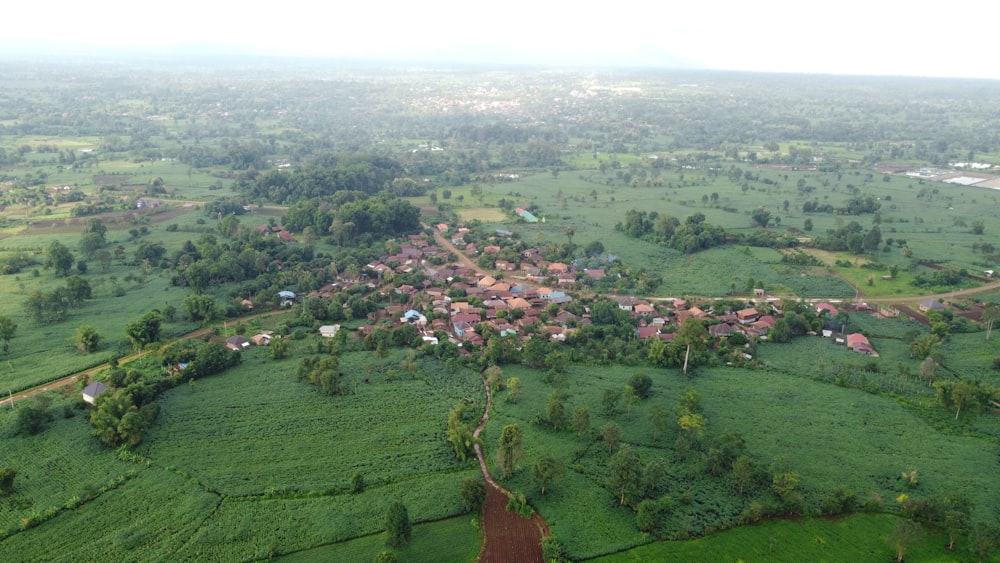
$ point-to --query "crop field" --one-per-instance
(147, 518)
(62, 462)
(263, 418)
(860, 537)
(834, 436)
(452, 540)
(247, 451)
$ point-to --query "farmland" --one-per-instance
(143, 207)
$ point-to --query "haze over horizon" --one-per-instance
(852, 38)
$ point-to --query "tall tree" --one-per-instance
(659, 418)
(555, 409)
(611, 433)
(87, 339)
(904, 535)
(473, 493)
(397, 525)
(625, 474)
(546, 470)
(7, 330)
(581, 421)
(510, 450)
(692, 334)
(60, 258)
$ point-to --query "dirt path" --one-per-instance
(70, 379)
(510, 538)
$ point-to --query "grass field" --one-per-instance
(834, 436)
(855, 538)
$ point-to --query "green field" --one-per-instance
(853, 538)
(833, 436)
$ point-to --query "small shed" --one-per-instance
(329, 331)
(237, 343)
(91, 392)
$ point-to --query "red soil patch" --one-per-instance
(510, 538)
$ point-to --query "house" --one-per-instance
(859, 343)
(328, 331)
(237, 343)
(262, 339)
(931, 305)
(91, 392)
(747, 316)
(826, 308)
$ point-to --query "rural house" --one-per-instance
(91, 392)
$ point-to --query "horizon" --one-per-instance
(855, 39)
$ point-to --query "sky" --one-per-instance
(869, 37)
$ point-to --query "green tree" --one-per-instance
(581, 421)
(87, 339)
(659, 419)
(955, 517)
(279, 348)
(625, 475)
(985, 539)
(144, 330)
(545, 471)
(32, 418)
(7, 475)
(904, 535)
(460, 433)
(514, 389)
(555, 409)
(611, 433)
(745, 472)
(692, 334)
(510, 450)
(642, 384)
(200, 307)
(631, 400)
(385, 557)
(473, 493)
(397, 525)
(60, 258)
(609, 401)
(8, 328)
(357, 483)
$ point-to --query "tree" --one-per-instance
(357, 483)
(625, 477)
(990, 315)
(691, 334)
(7, 330)
(513, 389)
(473, 493)
(279, 348)
(745, 471)
(581, 421)
(642, 384)
(546, 470)
(397, 525)
(60, 258)
(659, 418)
(7, 475)
(510, 450)
(985, 538)
(924, 346)
(460, 433)
(31, 419)
(145, 330)
(87, 339)
(555, 409)
(631, 400)
(927, 369)
(385, 557)
(611, 433)
(200, 307)
(609, 401)
(904, 535)
(955, 517)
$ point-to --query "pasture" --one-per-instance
(833, 436)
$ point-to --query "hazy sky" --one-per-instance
(842, 37)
